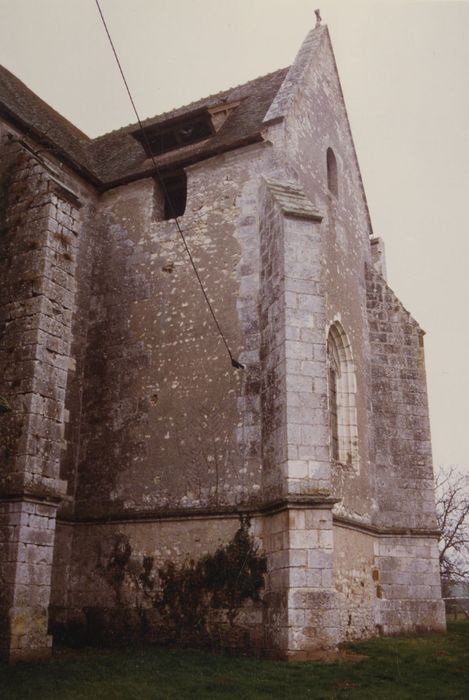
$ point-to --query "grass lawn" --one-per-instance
(401, 667)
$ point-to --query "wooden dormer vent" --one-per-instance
(168, 136)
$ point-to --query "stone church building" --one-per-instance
(138, 468)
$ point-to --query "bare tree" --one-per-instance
(452, 509)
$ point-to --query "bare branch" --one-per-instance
(452, 505)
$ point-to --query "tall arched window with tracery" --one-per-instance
(341, 397)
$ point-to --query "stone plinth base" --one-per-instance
(25, 635)
(30, 654)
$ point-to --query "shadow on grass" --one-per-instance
(433, 667)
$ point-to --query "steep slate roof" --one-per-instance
(39, 120)
(118, 156)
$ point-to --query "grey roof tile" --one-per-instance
(118, 156)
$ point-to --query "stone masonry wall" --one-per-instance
(26, 548)
(128, 417)
(356, 577)
(395, 432)
(38, 243)
(295, 435)
(386, 583)
(301, 614)
(409, 570)
(111, 601)
(404, 470)
(410, 586)
(166, 423)
(173, 425)
(315, 121)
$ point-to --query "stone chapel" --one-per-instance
(148, 488)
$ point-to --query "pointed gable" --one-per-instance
(311, 103)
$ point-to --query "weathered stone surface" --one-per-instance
(129, 421)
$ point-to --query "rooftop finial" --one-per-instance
(318, 17)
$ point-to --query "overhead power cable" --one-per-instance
(235, 363)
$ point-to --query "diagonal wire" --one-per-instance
(234, 362)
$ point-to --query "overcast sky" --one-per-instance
(403, 67)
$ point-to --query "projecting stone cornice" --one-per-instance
(367, 528)
(32, 487)
(315, 501)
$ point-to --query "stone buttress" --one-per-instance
(302, 612)
(39, 241)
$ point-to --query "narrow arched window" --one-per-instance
(333, 381)
(341, 398)
(332, 179)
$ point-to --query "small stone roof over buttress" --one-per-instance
(119, 156)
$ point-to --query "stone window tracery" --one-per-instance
(341, 398)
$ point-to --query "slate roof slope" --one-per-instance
(118, 156)
(41, 121)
